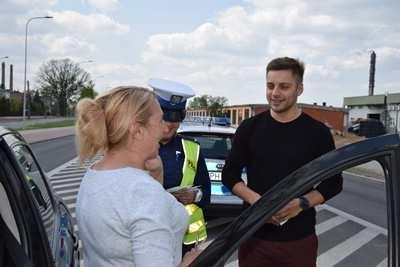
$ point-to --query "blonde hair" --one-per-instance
(103, 123)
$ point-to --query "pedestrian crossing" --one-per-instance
(344, 240)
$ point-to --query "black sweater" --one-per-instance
(271, 150)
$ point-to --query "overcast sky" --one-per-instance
(219, 48)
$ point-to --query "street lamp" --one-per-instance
(26, 49)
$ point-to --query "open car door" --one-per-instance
(383, 149)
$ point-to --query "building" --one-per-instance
(384, 107)
(335, 118)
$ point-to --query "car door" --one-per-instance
(383, 149)
(17, 212)
(54, 221)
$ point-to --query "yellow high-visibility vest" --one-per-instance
(197, 226)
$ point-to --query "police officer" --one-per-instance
(182, 161)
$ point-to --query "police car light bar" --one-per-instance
(220, 121)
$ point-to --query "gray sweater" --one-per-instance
(126, 218)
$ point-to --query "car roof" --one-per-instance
(199, 128)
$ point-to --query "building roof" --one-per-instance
(371, 100)
(364, 100)
(330, 108)
(393, 98)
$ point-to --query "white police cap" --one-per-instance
(171, 94)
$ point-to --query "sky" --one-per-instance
(219, 48)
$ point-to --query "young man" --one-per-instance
(271, 145)
(182, 160)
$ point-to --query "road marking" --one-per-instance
(63, 192)
(69, 198)
(355, 219)
(66, 185)
(329, 224)
(61, 167)
(383, 263)
(65, 180)
(344, 249)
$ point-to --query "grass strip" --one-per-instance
(45, 125)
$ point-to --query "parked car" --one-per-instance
(36, 228)
(368, 128)
(215, 143)
(383, 149)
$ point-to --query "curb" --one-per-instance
(365, 177)
(49, 139)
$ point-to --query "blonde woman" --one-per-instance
(124, 215)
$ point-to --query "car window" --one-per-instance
(213, 146)
(37, 185)
(352, 226)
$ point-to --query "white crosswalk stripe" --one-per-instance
(329, 224)
(344, 249)
(384, 263)
(66, 180)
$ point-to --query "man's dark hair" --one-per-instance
(288, 63)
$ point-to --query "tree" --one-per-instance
(15, 106)
(199, 102)
(60, 81)
(213, 104)
(88, 91)
(4, 106)
(37, 104)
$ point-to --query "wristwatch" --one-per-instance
(304, 203)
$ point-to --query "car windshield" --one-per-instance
(213, 145)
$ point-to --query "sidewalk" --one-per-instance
(38, 135)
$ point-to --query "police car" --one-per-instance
(35, 225)
(215, 143)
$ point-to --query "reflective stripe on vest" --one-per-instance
(197, 226)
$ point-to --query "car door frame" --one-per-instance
(36, 250)
(385, 149)
(39, 252)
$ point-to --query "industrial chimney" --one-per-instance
(3, 75)
(372, 73)
(11, 79)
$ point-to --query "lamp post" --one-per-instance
(26, 50)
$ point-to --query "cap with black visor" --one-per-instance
(172, 97)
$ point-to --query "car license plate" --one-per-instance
(215, 176)
(220, 190)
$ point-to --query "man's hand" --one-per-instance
(185, 196)
(155, 168)
(292, 209)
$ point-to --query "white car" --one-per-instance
(215, 143)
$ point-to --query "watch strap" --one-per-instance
(304, 203)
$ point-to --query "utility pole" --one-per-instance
(372, 64)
